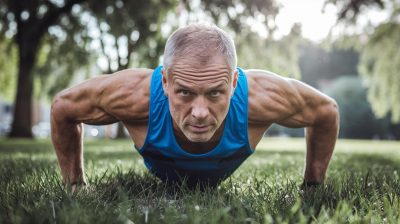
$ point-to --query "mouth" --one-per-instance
(199, 128)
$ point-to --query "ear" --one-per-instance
(164, 82)
(234, 81)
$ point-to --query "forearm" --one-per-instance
(321, 139)
(67, 141)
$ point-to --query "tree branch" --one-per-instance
(128, 57)
(54, 13)
(103, 49)
(119, 59)
(131, 47)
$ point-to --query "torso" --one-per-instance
(138, 129)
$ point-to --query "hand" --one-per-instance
(309, 187)
(76, 187)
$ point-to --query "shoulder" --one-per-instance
(271, 96)
(125, 94)
(106, 99)
(136, 77)
(265, 79)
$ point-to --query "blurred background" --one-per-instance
(348, 49)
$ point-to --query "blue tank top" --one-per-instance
(167, 160)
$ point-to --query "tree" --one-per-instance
(245, 19)
(380, 66)
(30, 21)
(380, 57)
(238, 14)
(127, 29)
(349, 10)
(280, 56)
(52, 39)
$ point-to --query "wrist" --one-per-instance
(74, 180)
(307, 183)
(314, 173)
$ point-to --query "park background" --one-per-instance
(348, 49)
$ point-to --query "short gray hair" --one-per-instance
(200, 41)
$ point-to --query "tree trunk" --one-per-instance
(28, 36)
(22, 115)
(120, 131)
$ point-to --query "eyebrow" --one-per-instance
(180, 85)
(218, 86)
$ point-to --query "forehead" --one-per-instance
(189, 70)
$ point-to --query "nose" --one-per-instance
(200, 108)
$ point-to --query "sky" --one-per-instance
(317, 21)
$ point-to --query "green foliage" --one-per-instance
(60, 60)
(350, 9)
(128, 28)
(356, 117)
(380, 58)
(380, 66)
(362, 186)
(280, 56)
(235, 14)
(130, 33)
(8, 62)
(242, 18)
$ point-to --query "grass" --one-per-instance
(363, 186)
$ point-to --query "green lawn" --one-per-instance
(363, 186)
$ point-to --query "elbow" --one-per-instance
(334, 107)
(331, 115)
(58, 107)
(56, 104)
(327, 114)
(327, 119)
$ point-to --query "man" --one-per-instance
(197, 117)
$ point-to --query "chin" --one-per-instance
(198, 137)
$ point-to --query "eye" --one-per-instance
(183, 92)
(215, 93)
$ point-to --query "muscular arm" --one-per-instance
(288, 102)
(98, 101)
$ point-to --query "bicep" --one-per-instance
(308, 106)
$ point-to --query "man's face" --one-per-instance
(199, 96)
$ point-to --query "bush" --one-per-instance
(356, 117)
